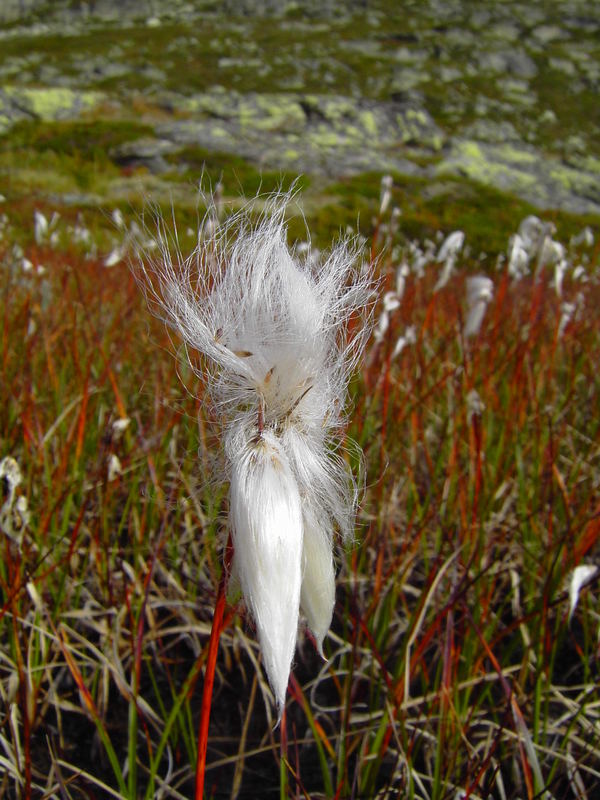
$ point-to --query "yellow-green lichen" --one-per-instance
(53, 103)
(369, 123)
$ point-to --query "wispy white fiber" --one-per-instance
(266, 521)
(579, 577)
(448, 253)
(402, 274)
(280, 333)
(532, 232)
(584, 237)
(44, 230)
(115, 256)
(480, 290)
(391, 302)
(14, 514)
(518, 258)
(408, 337)
(115, 468)
(118, 219)
(560, 269)
(385, 194)
(451, 246)
(568, 311)
(535, 238)
(40, 226)
(475, 405)
(318, 574)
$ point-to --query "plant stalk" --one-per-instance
(209, 674)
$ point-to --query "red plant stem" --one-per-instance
(283, 752)
(209, 674)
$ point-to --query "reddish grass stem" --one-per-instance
(209, 674)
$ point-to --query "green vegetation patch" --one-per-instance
(234, 171)
(87, 139)
(486, 215)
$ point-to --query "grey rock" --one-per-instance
(549, 33)
(410, 55)
(145, 152)
(97, 70)
(520, 169)
(511, 62)
(11, 10)
(314, 133)
(323, 122)
(484, 130)
(55, 103)
(566, 66)
(449, 74)
(505, 32)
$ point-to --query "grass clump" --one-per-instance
(61, 158)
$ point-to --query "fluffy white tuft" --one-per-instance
(480, 291)
(280, 335)
(579, 577)
(266, 521)
(448, 253)
(318, 575)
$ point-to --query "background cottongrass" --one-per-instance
(451, 664)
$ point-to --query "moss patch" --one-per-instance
(86, 139)
(235, 172)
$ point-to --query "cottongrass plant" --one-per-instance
(280, 337)
(480, 290)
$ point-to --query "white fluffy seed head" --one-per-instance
(518, 258)
(280, 334)
(579, 577)
(274, 328)
(318, 575)
(267, 529)
(480, 290)
(448, 253)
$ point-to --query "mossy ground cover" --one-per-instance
(349, 54)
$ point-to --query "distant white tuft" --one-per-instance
(579, 577)
(480, 290)
(447, 254)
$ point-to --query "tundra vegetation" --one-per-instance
(456, 657)
(462, 659)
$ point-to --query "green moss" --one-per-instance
(234, 171)
(89, 140)
(63, 157)
(487, 217)
(365, 186)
